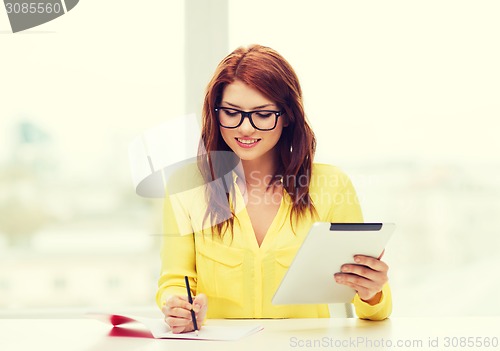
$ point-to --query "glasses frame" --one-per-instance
(248, 114)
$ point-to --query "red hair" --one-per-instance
(265, 70)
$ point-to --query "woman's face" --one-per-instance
(247, 142)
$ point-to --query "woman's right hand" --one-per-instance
(177, 311)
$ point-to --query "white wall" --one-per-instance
(388, 78)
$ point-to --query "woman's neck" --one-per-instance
(258, 173)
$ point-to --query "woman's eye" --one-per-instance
(264, 114)
(231, 113)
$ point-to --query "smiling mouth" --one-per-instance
(247, 141)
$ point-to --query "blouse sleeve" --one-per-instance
(177, 253)
(377, 312)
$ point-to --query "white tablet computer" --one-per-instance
(326, 248)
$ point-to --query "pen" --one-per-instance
(190, 298)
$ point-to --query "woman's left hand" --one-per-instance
(367, 276)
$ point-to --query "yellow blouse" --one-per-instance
(239, 277)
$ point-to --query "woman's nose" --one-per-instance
(246, 127)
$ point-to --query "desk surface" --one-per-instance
(285, 334)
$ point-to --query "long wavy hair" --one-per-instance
(265, 70)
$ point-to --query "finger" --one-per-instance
(177, 330)
(353, 279)
(365, 288)
(365, 272)
(201, 299)
(174, 322)
(199, 321)
(175, 298)
(363, 293)
(201, 306)
(382, 254)
(175, 311)
(178, 312)
(199, 302)
(178, 301)
(371, 262)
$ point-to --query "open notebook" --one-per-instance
(160, 330)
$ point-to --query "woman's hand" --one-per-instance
(367, 276)
(177, 311)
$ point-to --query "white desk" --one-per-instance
(289, 334)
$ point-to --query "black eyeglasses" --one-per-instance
(259, 119)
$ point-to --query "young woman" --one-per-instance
(236, 232)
